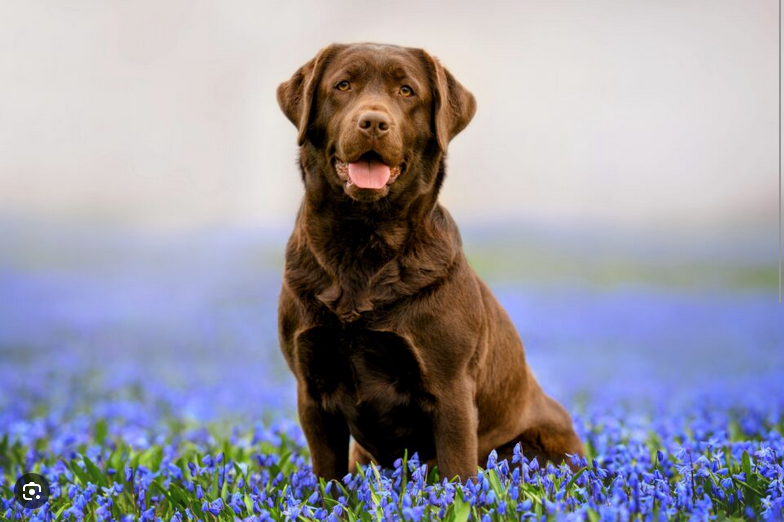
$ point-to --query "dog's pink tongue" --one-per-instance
(368, 174)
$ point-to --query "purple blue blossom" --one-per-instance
(148, 389)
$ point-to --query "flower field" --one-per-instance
(141, 376)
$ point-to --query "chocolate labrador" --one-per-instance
(392, 337)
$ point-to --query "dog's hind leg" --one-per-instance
(358, 456)
(549, 438)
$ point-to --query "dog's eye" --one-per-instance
(406, 91)
(343, 86)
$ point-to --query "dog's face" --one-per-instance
(378, 117)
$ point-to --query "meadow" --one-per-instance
(140, 374)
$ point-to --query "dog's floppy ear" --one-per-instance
(295, 96)
(453, 105)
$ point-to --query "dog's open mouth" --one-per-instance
(367, 172)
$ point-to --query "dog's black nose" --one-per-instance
(374, 123)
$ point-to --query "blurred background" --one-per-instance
(635, 114)
(618, 188)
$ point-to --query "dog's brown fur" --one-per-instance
(392, 337)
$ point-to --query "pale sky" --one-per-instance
(163, 114)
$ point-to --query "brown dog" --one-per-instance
(393, 338)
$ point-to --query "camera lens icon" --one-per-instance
(31, 491)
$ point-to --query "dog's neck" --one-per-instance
(361, 250)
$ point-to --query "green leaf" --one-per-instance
(117, 459)
(752, 494)
(462, 508)
(4, 461)
(574, 479)
(83, 477)
(152, 458)
(100, 431)
(95, 472)
(178, 494)
(745, 464)
(376, 473)
(248, 503)
(749, 487)
(350, 514)
(60, 511)
(214, 485)
(495, 481)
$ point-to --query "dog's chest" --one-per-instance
(372, 379)
(358, 364)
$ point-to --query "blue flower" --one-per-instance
(413, 514)
(214, 507)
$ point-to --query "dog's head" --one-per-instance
(376, 119)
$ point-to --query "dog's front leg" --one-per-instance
(327, 435)
(455, 431)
